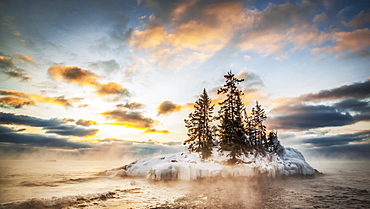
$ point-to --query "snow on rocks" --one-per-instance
(188, 166)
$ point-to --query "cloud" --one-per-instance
(130, 119)
(346, 152)
(348, 105)
(14, 102)
(74, 75)
(354, 41)
(54, 126)
(82, 122)
(7, 67)
(188, 27)
(112, 88)
(251, 81)
(11, 136)
(320, 18)
(22, 59)
(61, 100)
(69, 130)
(360, 20)
(108, 66)
(195, 27)
(132, 105)
(167, 107)
(356, 90)
(353, 105)
(156, 131)
(342, 139)
(79, 76)
(302, 117)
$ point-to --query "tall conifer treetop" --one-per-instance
(199, 127)
(231, 128)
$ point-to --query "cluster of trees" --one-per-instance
(236, 131)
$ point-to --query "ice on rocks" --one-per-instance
(189, 166)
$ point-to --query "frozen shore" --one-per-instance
(188, 166)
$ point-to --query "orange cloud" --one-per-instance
(34, 97)
(211, 29)
(111, 88)
(74, 74)
(156, 131)
(23, 59)
(132, 119)
(129, 119)
(150, 38)
(360, 20)
(167, 107)
(15, 102)
(265, 44)
(81, 76)
(82, 122)
(357, 40)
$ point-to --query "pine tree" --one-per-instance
(232, 133)
(199, 128)
(257, 118)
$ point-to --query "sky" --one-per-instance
(119, 77)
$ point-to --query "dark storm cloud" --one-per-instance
(68, 130)
(355, 90)
(307, 117)
(167, 107)
(338, 139)
(354, 105)
(339, 147)
(49, 125)
(13, 136)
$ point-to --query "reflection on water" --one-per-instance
(76, 184)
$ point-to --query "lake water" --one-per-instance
(76, 184)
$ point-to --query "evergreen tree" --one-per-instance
(199, 127)
(259, 129)
(232, 133)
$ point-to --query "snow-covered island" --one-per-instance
(230, 144)
(189, 166)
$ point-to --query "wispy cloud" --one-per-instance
(15, 102)
(132, 119)
(8, 67)
(34, 98)
(79, 76)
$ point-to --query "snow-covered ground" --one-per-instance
(189, 166)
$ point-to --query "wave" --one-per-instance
(68, 201)
(58, 182)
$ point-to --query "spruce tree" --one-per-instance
(257, 118)
(232, 133)
(199, 127)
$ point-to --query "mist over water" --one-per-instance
(76, 184)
